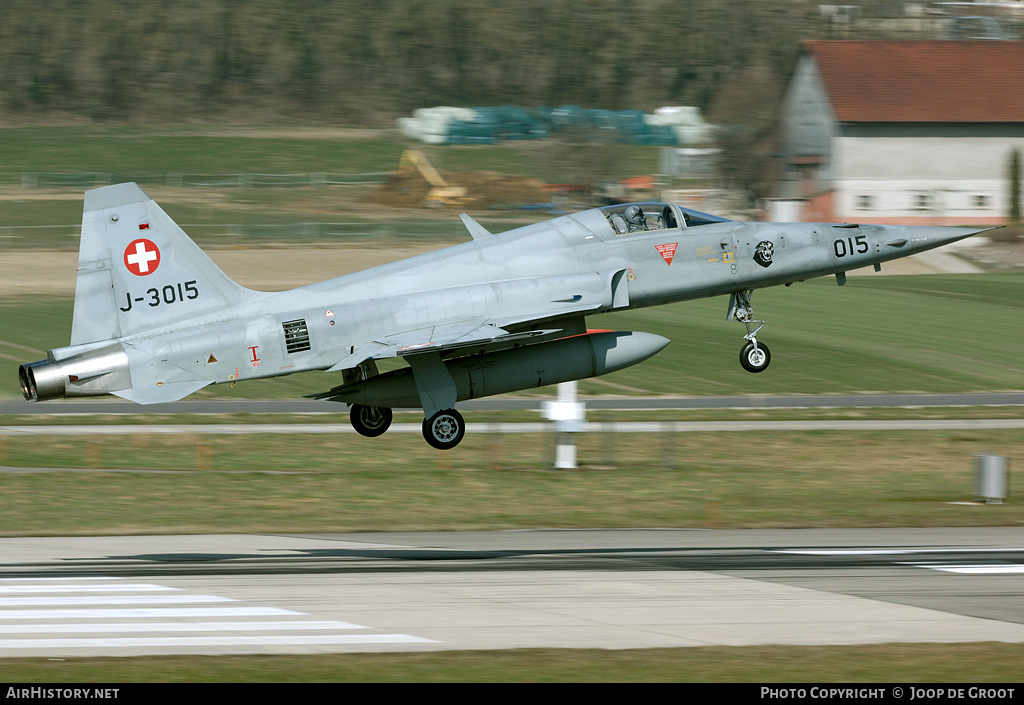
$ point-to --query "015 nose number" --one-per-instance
(851, 245)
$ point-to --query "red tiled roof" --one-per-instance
(910, 81)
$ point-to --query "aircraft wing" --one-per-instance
(433, 339)
(545, 306)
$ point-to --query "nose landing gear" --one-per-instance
(754, 356)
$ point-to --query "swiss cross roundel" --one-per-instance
(141, 257)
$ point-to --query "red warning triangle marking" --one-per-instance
(667, 252)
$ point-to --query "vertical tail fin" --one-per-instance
(137, 270)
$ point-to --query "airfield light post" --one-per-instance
(568, 416)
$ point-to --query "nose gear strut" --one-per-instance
(754, 356)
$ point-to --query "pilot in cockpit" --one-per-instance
(635, 219)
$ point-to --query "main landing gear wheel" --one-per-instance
(445, 429)
(755, 359)
(370, 421)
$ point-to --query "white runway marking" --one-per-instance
(110, 600)
(135, 642)
(67, 618)
(884, 551)
(4, 581)
(124, 587)
(1007, 569)
(148, 613)
(124, 628)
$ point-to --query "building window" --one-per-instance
(922, 201)
(864, 203)
(980, 202)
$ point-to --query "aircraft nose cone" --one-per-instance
(924, 237)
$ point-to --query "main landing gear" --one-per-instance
(443, 427)
(444, 430)
(370, 421)
(754, 356)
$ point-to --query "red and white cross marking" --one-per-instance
(141, 257)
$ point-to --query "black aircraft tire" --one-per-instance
(445, 429)
(755, 360)
(370, 421)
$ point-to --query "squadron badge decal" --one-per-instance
(763, 253)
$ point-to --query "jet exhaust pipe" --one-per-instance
(491, 373)
(94, 373)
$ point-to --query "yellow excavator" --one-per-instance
(441, 194)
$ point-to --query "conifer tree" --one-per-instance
(1015, 186)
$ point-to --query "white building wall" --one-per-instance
(930, 180)
(783, 211)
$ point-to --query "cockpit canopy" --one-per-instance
(631, 218)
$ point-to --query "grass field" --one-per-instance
(885, 334)
(298, 483)
(157, 158)
(890, 663)
(144, 153)
(225, 212)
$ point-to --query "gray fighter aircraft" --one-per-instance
(155, 319)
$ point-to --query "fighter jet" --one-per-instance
(155, 319)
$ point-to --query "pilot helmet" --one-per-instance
(634, 214)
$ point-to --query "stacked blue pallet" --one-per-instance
(493, 124)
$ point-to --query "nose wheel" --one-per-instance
(754, 356)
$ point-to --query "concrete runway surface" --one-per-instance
(610, 589)
(509, 402)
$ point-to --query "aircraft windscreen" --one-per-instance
(697, 218)
(632, 218)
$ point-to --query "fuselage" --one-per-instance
(568, 267)
(155, 319)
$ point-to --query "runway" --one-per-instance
(302, 407)
(610, 589)
(303, 594)
(522, 427)
(510, 403)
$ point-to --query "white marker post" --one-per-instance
(990, 478)
(568, 415)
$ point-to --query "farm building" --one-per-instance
(911, 132)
